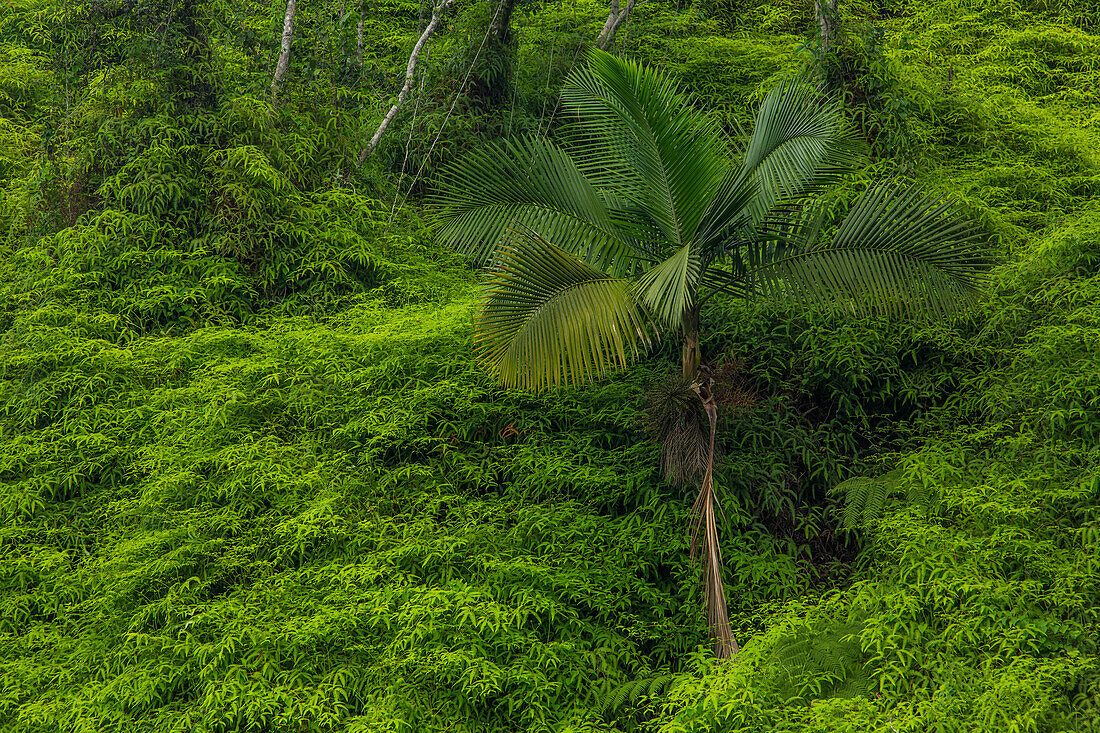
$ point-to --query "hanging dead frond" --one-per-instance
(704, 532)
(677, 422)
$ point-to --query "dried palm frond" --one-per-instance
(704, 534)
(682, 417)
(676, 420)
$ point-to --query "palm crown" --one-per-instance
(596, 251)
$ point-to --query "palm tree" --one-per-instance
(597, 251)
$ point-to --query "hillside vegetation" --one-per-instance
(253, 479)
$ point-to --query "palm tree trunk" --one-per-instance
(689, 327)
(704, 530)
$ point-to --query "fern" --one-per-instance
(612, 698)
(866, 497)
(818, 660)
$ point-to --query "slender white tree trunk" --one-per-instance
(825, 10)
(359, 38)
(615, 18)
(437, 16)
(284, 50)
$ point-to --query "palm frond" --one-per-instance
(704, 542)
(669, 287)
(898, 249)
(676, 155)
(529, 183)
(798, 145)
(548, 318)
(727, 224)
(742, 261)
(731, 281)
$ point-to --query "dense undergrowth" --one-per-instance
(251, 479)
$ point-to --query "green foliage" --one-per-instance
(733, 74)
(613, 699)
(978, 609)
(865, 497)
(648, 190)
(417, 550)
(250, 478)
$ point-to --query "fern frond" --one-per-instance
(865, 496)
(615, 697)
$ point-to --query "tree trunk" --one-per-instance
(284, 51)
(437, 16)
(501, 28)
(704, 530)
(359, 39)
(615, 18)
(825, 10)
(494, 89)
(690, 329)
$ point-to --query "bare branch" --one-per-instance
(437, 15)
(615, 18)
(284, 51)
